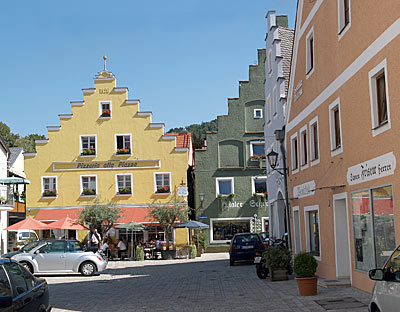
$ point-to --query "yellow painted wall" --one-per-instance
(64, 146)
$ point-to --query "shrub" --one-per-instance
(277, 257)
(305, 265)
(139, 253)
(192, 252)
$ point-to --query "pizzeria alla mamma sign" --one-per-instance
(106, 165)
(375, 168)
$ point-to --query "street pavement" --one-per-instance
(207, 283)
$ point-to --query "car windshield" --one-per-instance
(246, 239)
(28, 247)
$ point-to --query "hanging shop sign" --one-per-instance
(304, 190)
(372, 169)
(106, 165)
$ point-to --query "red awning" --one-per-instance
(136, 214)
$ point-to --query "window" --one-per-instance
(303, 144)
(314, 147)
(225, 186)
(123, 144)
(259, 185)
(310, 52)
(343, 16)
(295, 159)
(270, 62)
(88, 185)
(88, 145)
(53, 247)
(163, 183)
(5, 287)
(313, 232)
(275, 102)
(49, 186)
(269, 109)
(105, 109)
(373, 227)
(257, 148)
(224, 229)
(73, 246)
(257, 113)
(335, 128)
(379, 98)
(124, 184)
(18, 278)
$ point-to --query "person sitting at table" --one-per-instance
(105, 247)
(121, 248)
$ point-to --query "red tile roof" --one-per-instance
(182, 139)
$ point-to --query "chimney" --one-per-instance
(282, 20)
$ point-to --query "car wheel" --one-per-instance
(231, 262)
(87, 268)
(374, 308)
(27, 266)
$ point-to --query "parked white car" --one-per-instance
(15, 238)
(61, 256)
(386, 292)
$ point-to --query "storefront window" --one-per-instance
(225, 229)
(373, 227)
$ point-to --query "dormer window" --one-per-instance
(105, 109)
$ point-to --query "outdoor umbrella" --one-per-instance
(27, 224)
(66, 223)
(133, 226)
(191, 224)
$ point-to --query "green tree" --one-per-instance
(167, 215)
(9, 137)
(99, 216)
(28, 142)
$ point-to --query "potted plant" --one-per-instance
(277, 259)
(88, 151)
(305, 267)
(139, 253)
(86, 191)
(49, 193)
(192, 251)
(106, 113)
(125, 190)
(200, 241)
(122, 151)
(163, 189)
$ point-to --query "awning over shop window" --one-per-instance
(12, 180)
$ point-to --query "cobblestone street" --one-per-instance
(205, 284)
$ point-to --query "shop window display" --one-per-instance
(226, 229)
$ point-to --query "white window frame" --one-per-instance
(81, 147)
(116, 183)
(155, 182)
(49, 177)
(373, 74)
(275, 102)
(224, 179)
(296, 208)
(101, 109)
(257, 110)
(314, 160)
(270, 62)
(81, 184)
(307, 209)
(293, 155)
(335, 150)
(310, 70)
(256, 143)
(212, 241)
(342, 28)
(304, 150)
(253, 183)
(269, 108)
(116, 144)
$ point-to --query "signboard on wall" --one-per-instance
(106, 165)
(304, 190)
(372, 169)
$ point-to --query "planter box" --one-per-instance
(88, 193)
(307, 285)
(199, 252)
(278, 275)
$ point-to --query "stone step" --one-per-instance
(334, 283)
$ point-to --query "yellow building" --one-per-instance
(107, 150)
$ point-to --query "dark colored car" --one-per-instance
(244, 246)
(20, 290)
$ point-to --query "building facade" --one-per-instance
(342, 135)
(106, 150)
(279, 42)
(230, 184)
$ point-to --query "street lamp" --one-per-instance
(201, 196)
(272, 159)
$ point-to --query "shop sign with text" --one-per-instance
(304, 190)
(372, 169)
(106, 165)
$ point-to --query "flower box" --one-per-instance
(257, 157)
(88, 192)
(49, 193)
(163, 189)
(88, 151)
(125, 190)
(122, 151)
(106, 113)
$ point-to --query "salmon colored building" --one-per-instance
(106, 150)
(342, 135)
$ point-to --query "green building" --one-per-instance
(230, 181)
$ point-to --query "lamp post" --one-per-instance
(273, 160)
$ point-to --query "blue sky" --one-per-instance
(181, 58)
